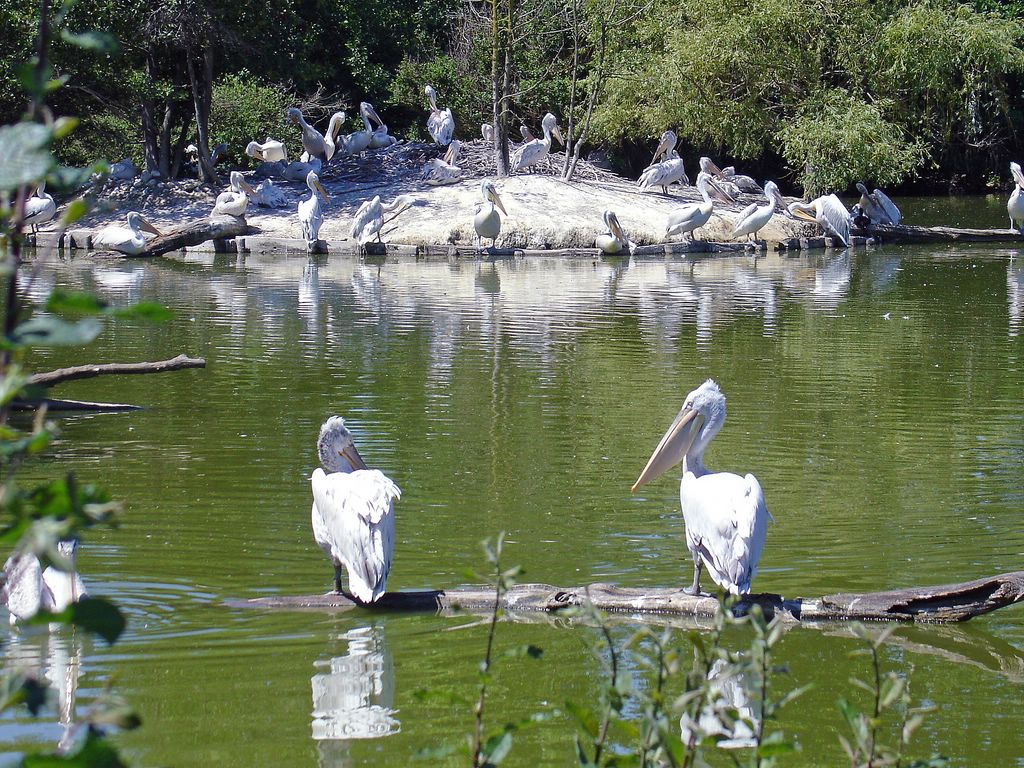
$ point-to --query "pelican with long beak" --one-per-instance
(690, 218)
(438, 172)
(615, 239)
(311, 215)
(313, 142)
(369, 219)
(333, 129)
(441, 122)
(725, 514)
(878, 207)
(532, 152)
(129, 240)
(753, 218)
(380, 137)
(731, 189)
(359, 141)
(1015, 205)
(828, 212)
(270, 151)
(233, 201)
(40, 207)
(487, 222)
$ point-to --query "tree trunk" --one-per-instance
(500, 129)
(179, 147)
(201, 83)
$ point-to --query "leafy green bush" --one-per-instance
(245, 109)
(98, 136)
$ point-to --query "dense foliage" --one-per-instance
(824, 92)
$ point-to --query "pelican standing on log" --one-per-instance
(725, 515)
(129, 240)
(753, 218)
(532, 152)
(40, 207)
(353, 513)
(441, 123)
(313, 141)
(878, 207)
(369, 219)
(690, 218)
(487, 222)
(234, 201)
(828, 212)
(1015, 205)
(615, 239)
(311, 215)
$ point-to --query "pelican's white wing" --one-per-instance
(23, 588)
(887, 206)
(726, 525)
(441, 126)
(685, 219)
(664, 173)
(834, 218)
(354, 522)
(311, 217)
(742, 221)
(367, 221)
(39, 210)
(530, 153)
(62, 589)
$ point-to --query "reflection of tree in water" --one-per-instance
(55, 658)
(353, 695)
(1015, 294)
(728, 693)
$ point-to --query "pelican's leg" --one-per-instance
(337, 579)
(694, 589)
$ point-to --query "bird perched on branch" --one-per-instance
(353, 513)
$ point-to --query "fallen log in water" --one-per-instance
(72, 405)
(194, 233)
(903, 233)
(942, 604)
(178, 363)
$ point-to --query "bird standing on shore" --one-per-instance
(333, 129)
(40, 207)
(753, 218)
(725, 515)
(615, 239)
(441, 122)
(532, 152)
(690, 218)
(1015, 205)
(311, 215)
(234, 201)
(128, 239)
(828, 212)
(369, 219)
(313, 142)
(487, 222)
(353, 513)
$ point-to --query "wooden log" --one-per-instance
(73, 405)
(947, 603)
(194, 233)
(903, 233)
(89, 371)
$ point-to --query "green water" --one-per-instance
(878, 397)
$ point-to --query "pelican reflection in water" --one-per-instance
(353, 694)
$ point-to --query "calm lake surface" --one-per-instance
(877, 395)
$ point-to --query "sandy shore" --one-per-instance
(544, 212)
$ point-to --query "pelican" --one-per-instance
(441, 123)
(487, 131)
(828, 212)
(28, 588)
(726, 185)
(353, 513)
(380, 137)
(526, 133)
(1015, 205)
(234, 201)
(333, 129)
(298, 170)
(666, 145)
(668, 171)
(753, 218)
(267, 195)
(438, 172)
(877, 206)
(532, 152)
(614, 240)
(725, 515)
(313, 142)
(270, 151)
(359, 141)
(369, 219)
(123, 170)
(311, 216)
(690, 218)
(129, 240)
(728, 175)
(487, 222)
(39, 208)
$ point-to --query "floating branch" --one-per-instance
(104, 369)
(902, 233)
(942, 604)
(73, 405)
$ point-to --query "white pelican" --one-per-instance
(128, 239)
(1015, 205)
(666, 144)
(123, 170)
(727, 185)
(298, 170)
(754, 216)
(369, 219)
(313, 142)
(380, 137)
(725, 515)
(728, 175)
(878, 207)
(487, 131)
(357, 142)
(311, 216)
(690, 218)
(270, 151)
(27, 588)
(234, 201)
(268, 195)
(615, 239)
(333, 129)
(532, 152)
(668, 171)
(39, 208)
(353, 513)
(441, 123)
(438, 172)
(828, 212)
(526, 133)
(487, 222)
